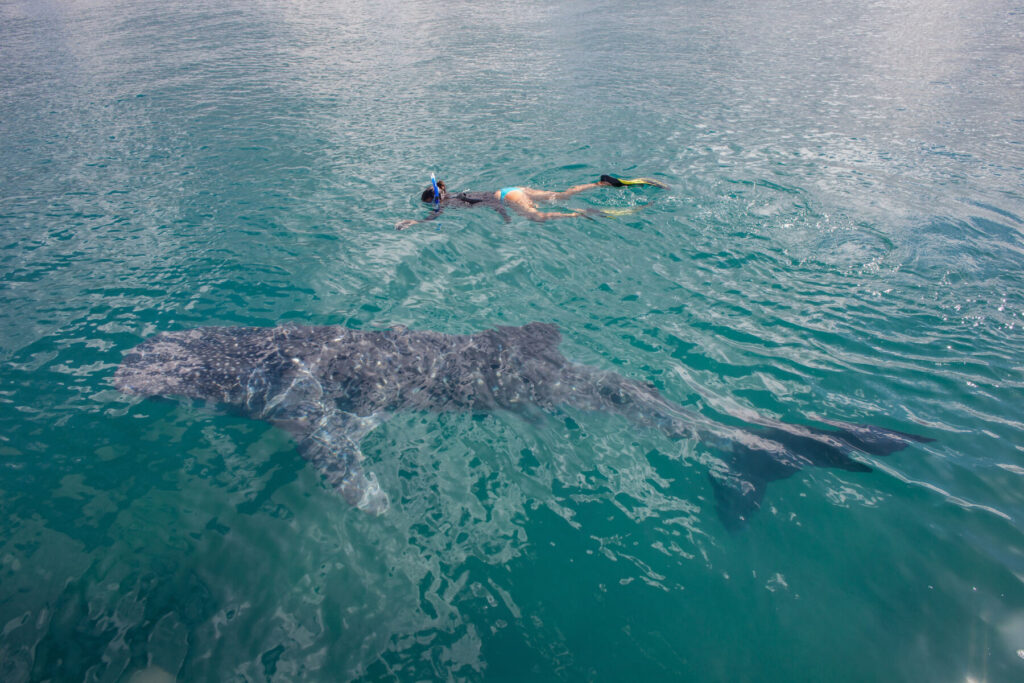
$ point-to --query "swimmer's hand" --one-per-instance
(402, 225)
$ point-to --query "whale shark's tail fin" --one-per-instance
(747, 458)
(871, 439)
(739, 487)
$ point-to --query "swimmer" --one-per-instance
(522, 200)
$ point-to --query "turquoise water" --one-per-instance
(842, 240)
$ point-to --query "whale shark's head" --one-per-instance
(206, 363)
(165, 365)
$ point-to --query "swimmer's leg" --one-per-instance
(521, 201)
(549, 196)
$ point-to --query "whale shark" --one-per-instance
(328, 386)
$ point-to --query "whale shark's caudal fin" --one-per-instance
(739, 487)
(871, 439)
(748, 458)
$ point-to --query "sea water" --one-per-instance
(842, 240)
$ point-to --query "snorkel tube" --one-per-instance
(437, 191)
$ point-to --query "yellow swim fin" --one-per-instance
(621, 182)
(611, 213)
(615, 213)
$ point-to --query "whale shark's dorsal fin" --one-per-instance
(538, 339)
(545, 334)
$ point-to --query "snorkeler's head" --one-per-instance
(428, 194)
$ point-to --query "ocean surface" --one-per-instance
(843, 239)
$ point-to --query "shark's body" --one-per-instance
(328, 386)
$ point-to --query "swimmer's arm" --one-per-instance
(402, 225)
(504, 214)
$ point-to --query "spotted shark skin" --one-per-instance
(328, 386)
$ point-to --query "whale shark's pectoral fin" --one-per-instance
(739, 483)
(331, 443)
(736, 499)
